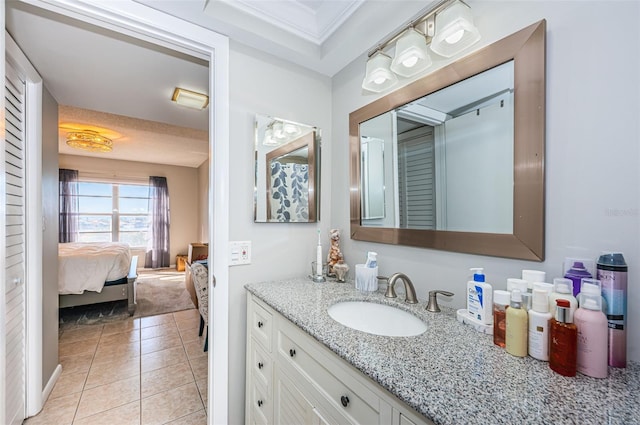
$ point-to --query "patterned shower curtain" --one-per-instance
(290, 192)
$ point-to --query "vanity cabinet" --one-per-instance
(294, 379)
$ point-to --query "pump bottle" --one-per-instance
(516, 320)
(563, 340)
(563, 289)
(592, 338)
(480, 298)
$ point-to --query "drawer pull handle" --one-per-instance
(292, 352)
(260, 365)
(260, 324)
(259, 403)
(344, 400)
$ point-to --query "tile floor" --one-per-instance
(150, 370)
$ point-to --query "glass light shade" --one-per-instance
(378, 76)
(89, 141)
(190, 99)
(455, 30)
(268, 138)
(412, 54)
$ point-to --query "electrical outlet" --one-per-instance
(239, 253)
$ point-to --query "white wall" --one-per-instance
(592, 154)
(203, 202)
(184, 193)
(262, 84)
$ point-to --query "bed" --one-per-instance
(90, 273)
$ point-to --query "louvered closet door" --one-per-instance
(15, 248)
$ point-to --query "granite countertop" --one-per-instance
(453, 374)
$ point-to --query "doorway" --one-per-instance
(135, 20)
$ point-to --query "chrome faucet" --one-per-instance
(409, 290)
(433, 300)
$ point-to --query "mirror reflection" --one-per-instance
(286, 173)
(445, 160)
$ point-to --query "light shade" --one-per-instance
(89, 140)
(455, 30)
(412, 54)
(190, 99)
(378, 76)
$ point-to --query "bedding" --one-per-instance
(87, 266)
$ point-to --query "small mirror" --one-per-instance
(286, 181)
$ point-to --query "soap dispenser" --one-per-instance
(480, 298)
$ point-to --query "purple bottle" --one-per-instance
(576, 273)
(612, 272)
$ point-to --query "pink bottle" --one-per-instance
(592, 338)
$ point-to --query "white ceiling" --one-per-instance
(109, 80)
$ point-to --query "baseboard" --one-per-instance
(52, 383)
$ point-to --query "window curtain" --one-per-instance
(69, 205)
(158, 245)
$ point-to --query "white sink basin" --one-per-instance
(377, 319)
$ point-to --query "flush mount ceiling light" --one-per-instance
(190, 99)
(89, 140)
(378, 76)
(448, 26)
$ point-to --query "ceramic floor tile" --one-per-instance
(186, 314)
(171, 405)
(106, 397)
(68, 383)
(128, 414)
(121, 326)
(189, 335)
(161, 319)
(167, 329)
(74, 348)
(112, 352)
(195, 349)
(199, 365)
(163, 358)
(184, 324)
(130, 335)
(59, 411)
(203, 389)
(79, 334)
(164, 379)
(108, 372)
(160, 343)
(76, 364)
(197, 418)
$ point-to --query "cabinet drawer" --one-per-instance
(261, 364)
(359, 404)
(261, 323)
(261, 404)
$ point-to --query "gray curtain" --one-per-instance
(158, 246)
(69, 205)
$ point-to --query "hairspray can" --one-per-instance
(612, 272)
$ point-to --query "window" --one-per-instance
(113, 212)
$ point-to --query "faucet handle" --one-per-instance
(391, 292)
(433, 300)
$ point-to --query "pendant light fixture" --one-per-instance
(455, 30)
(446, 28)
(378, 76)
(412, 54)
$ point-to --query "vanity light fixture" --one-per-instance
(448, 26)
(278, 132)
(190, 99)
(89, 140)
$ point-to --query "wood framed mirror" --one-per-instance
(492, 202)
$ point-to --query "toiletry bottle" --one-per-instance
(372, 260)
(612, 272)
(501, 301)
(516, 323)
(563, 340)
(562, 289)
(514, 283)
(576, 273)
(592, 337)
(539, 318)
(591, 287)
(532, 276)
(479, 298)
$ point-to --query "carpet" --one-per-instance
(158, 292)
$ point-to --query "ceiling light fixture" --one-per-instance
(89, 140)
(448, 26)
(190, 99)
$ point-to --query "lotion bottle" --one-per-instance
(591, 287)
(563, 340)
(480, 298)
(516, 323)
(592, 338)
(501, 301)
(563, 289)
(539, 318)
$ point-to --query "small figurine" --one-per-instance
(341, 269)
(334, 254)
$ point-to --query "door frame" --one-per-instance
(143, 22)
